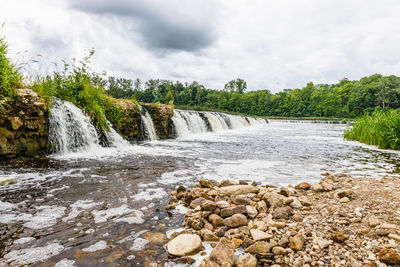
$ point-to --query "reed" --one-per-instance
(381, 128)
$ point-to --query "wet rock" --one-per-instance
(258, 235)
(208, 235)
(8, 182)
(278, 250)
(184, 260)
(216, 220)
(246, 260)
(222, 254)
(208, 205)
(155, 237)
(251, 211)
(388, 256)
(238, 190)
(260, 248)
(303, 186)
(184, 244)
(282, 213)
(235, 220)
(297, 242)
(206, 184)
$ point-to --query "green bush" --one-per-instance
(9, 76)
(75, 84)
(382, 129)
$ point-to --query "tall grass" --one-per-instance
(382, 129)
(9, 76)
(76, 84)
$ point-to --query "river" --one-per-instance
(93, 207)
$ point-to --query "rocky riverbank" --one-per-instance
(339, 221)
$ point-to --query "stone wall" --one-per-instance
(162, 119)
(23, 125)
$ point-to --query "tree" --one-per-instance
(238, 85)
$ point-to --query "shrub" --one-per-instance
(382, 129)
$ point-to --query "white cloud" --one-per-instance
(272, 44)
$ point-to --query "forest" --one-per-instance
(345, 99)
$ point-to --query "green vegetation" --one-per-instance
(77, 84)
(346, 99)
(382, 128)
(9, 76)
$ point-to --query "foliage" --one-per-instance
(382, 128)
(346, 99)
(9, 76)
(77, 84)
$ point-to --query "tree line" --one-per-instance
(345, 99)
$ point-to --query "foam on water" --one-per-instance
(46, 217)
(139, 244)
(65, 263)
(96, 247)
(33, 255)
(23, 240)
(150, 194)
(79, 206)
(104, 215)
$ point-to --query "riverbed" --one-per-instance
(93, 207)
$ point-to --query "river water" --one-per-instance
(95, 206)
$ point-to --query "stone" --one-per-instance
(241, 200)
(282, 213)
(259, 235)
(303, 186)
(277, 224)
(327, 186)
(388, 226)
(222, 204)
(317, 187)
(184, 244)
(339, 237)
(226, 212)
(296, 204)
(322, 243)
(208, 205)
(262, 206)
(208, 235)
(16, 123)
(297, 218)
(239, 209)
(206, 184)
(215, 220)
(251, 211)
(238, 190)
(344, 193)
(237, 242)
(222, 255)
(8, 181)
(305, 201)
(344, 200)
(197, 202)
(373, 221)
(260, 248)
(233, 210)
(297, 242)
(274, 199)
(245, 230)
(246, 260)
(278, 250)
(221, 231)
(284, 242)
(388, 256)
(394, 236)
(284, 191)
(235, 220)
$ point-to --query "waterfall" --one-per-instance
(70, 130)
(148, 125)
(188, 122)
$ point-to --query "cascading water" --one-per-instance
(148, 125)
(189, 122)
(70, 130)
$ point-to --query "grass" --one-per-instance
(382, 129)
(76, 84)
(9, 76)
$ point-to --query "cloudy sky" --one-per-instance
(271, 44)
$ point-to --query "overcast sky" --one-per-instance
(271, 44)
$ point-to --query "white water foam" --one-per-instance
(96, 247)
(33, 255)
